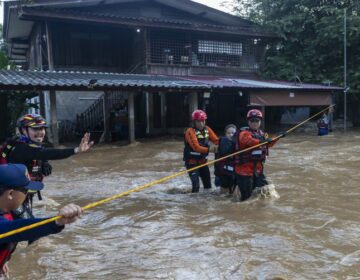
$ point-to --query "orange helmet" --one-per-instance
(31, 120)
(199, 115)
(254, 114)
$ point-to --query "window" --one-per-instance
(220, 47)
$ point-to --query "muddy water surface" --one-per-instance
(311, 232)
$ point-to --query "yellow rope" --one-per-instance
(137, 189)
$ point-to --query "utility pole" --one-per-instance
(345, 72)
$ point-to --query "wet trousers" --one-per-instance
(203, 173)
(247, 184)
(227, 182)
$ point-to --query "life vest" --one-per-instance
(203, 139)
(255, 155)
(6, 249)
(226, 166)
(34, 166)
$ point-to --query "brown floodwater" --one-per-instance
(311, 232)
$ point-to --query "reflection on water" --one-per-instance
(165, 232)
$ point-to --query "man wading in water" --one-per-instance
(197, 148)
(27, 149)
(249, 166)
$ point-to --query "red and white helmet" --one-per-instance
(254, 114)
(199, 115)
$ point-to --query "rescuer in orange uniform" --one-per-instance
(197, 147)
(249, 166)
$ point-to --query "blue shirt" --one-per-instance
(29, 235)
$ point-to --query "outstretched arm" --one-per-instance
(25, 152)
(70, 213)
(29, 235)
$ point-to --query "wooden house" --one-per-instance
(142, 65)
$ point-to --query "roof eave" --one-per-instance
(37, 15)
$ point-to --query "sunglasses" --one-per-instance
(254, 120)
(22, 190)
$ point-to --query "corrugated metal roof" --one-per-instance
(229, 82)
(71, 80)
(143, 20)
(91, 80)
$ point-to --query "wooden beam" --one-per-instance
(193, 102)
(131, 112)
(51, 110)
(49, 47)
(163, 111)
(149, 113)
(107, 135)
(53, 118)
(42, 103)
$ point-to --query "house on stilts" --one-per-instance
(131, 68)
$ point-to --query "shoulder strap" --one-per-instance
(6, 148)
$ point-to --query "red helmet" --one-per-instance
(199, 115)
(31, 120)
(254, 114)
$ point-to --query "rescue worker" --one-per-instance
(15, 183)
(27, 149)
(224, 170)
(323, 125)
(197, 147)
(249, 166)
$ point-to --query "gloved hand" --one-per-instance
(46, 168)
(269, 140)
(213, 149)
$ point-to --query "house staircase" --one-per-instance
(92, 119)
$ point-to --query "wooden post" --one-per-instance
(193, 102)
(51, 110)
(49, 47)
(131, 110)
(42, 103)
(53, 118)
(163, 111)
(107, 136)
(149, 113)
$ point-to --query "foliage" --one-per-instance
(310, 47)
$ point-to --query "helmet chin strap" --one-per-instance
(27, 135)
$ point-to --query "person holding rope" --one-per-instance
(249, 166)
(197, 147)
(224, 169)
(27, 148)
(15, 184)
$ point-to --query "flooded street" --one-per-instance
(163, 232)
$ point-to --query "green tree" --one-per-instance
(310, 47)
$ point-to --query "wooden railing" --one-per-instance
(92, 119)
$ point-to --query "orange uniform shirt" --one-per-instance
(246, 140)
(191, 139)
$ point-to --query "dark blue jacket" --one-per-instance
(29, 235)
